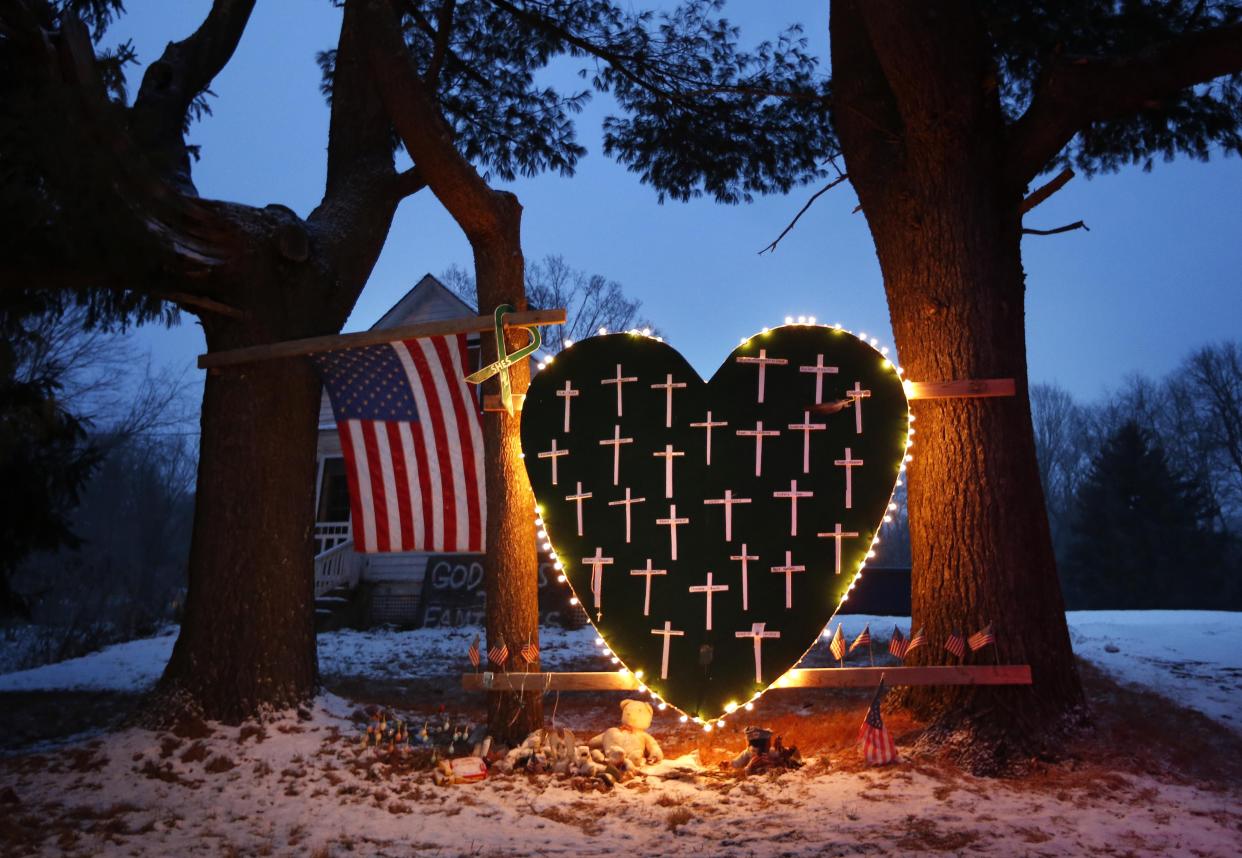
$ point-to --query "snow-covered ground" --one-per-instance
(306, 787)
(1193, 657)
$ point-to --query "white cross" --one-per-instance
(838, 534)
(710, 590)
(857, 395)
(567, 393)
(667, 632)
(668, 455)
(757, 632)
(618, 380)
(708, 424)
(806, 427)
(744, 557)
(849, 464)
(792, 495)
(578, 499)
(647, 573)
(615, 442)
(727, 501)
(788, 571)
(553, 454)
(672, 521)
(627, 501)
(668, 386)
(820, 370)
(597, 564)
(763, 360)
(758, 433)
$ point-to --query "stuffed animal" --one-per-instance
(629, 743)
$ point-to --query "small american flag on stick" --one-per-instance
(955, 645)
(917, 640)
(499, 653)
(878, 746)
(530, 652)
(863, 639)
(473, 652)
(981, 638)
(837, 647)
(897, 644)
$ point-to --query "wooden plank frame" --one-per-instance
(970, 388)
(337, 342)
(806, 677)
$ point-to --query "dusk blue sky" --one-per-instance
(1157, 275)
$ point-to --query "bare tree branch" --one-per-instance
(1076, 91)
(1043, 192)
(1069, 227)
(802, 211)
(444, 31)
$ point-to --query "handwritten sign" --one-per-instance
(453, 593)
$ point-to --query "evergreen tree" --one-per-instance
(1142, 535)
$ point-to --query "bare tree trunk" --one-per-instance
(923, 137)
(512, 583)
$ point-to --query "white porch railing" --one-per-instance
(338, 567)
(329, 534)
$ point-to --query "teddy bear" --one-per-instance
(630, 743)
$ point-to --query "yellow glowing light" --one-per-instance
(639, 673)
(573, 600)
(730, 707)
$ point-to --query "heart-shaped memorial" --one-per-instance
(711, 530)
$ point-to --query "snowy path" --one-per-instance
(1193, 657)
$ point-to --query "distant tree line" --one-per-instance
(1144, 487)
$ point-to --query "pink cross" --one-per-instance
(708, 424)
(744, 557)
(710, 590)
(763, 361)
(856, 396)
(806, 427)
(788, 571)
(647, 573)
(567, 393)
(667, 632)
(820, 371)
(668, 387)
(757, 632)
(849, 463)
(792, 495)
(615, 442)
(619, 380)
(627, 501)
(758, 433)
(552, 454)
(672, 521)
(597, 564)
(668, 455)
(578, 499)
(727, 501)
(837, 535)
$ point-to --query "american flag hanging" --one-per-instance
(863, 639)
(413, 444)
(499, 654)
(837, 647)
(473, 652)
(981, 638)
(917, 640)
(878, 746)
(955, 645)
(530, 652)
(897, 644)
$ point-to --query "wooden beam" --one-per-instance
(491, 402)
(971, 388)
(812, 677)
(336, 342)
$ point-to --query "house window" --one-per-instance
(333, 491)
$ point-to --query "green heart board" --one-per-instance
(711, 530)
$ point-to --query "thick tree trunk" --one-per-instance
(512, 583)
(923, 140)
(248, 637)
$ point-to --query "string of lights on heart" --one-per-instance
(712, 529)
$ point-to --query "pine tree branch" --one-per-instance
(1069, 227)
(1046, 190)
(444, 31)
(1077, 91)
(183, 72)
(825, 189)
